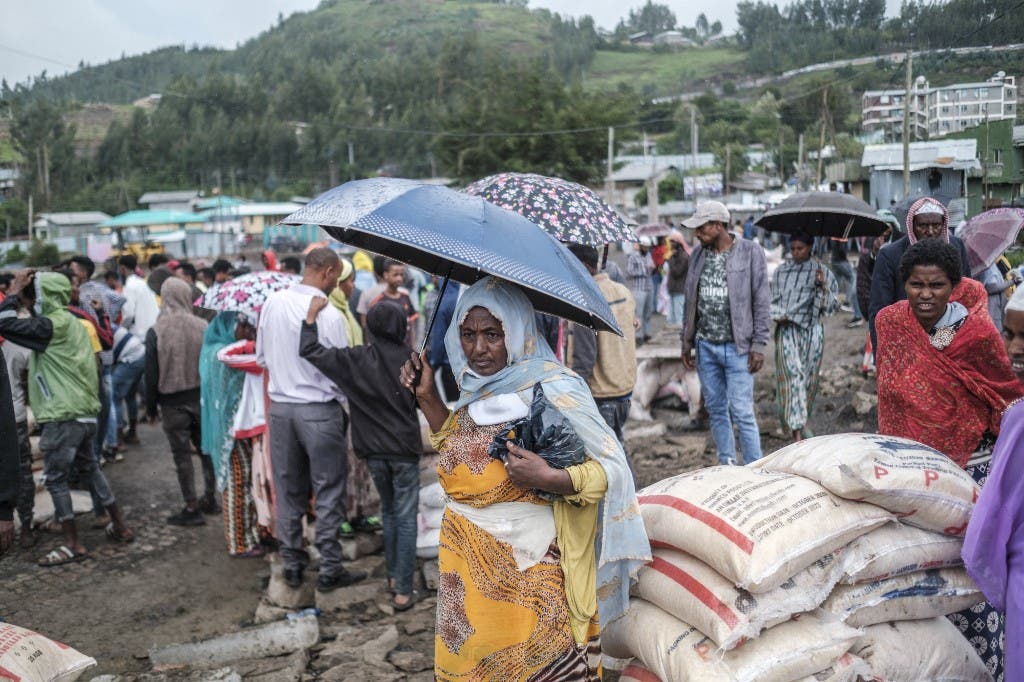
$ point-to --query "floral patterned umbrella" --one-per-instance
(568, 211)
(246, 294)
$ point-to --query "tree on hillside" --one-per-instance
(808, 31)
(652, 18)
(45, 142)
(702, 25)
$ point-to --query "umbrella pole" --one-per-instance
(433, 315)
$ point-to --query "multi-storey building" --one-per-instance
(939, 111)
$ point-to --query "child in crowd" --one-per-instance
(385, 428)
(393, 276)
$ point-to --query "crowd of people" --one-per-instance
(308, 409)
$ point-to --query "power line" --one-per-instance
(509, 133)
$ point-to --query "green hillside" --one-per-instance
(659, 73)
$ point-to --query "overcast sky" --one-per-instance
(56, 35)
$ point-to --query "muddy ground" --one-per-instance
(178, 584)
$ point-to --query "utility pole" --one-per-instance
(782, 162)
(728, 167)
(800, 179)
(609, 179)
(821, 138)
(351, 161)
(30, 217)
(906, 125)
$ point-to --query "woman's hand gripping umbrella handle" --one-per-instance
(417, 376)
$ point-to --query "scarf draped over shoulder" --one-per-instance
(947, 398)
(220, 394)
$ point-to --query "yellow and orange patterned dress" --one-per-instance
(494, 621)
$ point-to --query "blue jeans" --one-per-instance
(398, 484)
(125, 378)
(103, 420)
(67, 445)
(728, 388)
(676, 308)
(844, 272)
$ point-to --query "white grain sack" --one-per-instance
(27, 655)
(635, 672)
(695, 593)
(897, 549)
(848, 668)
(923, 487)
(920, 651)
(925, 594)
(676, 651)
(756, 528)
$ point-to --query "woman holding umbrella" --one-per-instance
(518, 590)
(803, 294)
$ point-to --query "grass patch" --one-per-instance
(661, 73)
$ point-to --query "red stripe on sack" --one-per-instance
(640, 674)
(713, 522)
(693, 586)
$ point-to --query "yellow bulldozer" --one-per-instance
(134, 241)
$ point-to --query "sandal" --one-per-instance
(345, 531)
(368, 524)
(62, 555)
(124, 537)
(414, 597)
(253, 553)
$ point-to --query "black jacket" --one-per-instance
(886, 282)
(33, 333)
(384, 421)
(678, 266)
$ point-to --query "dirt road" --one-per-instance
(178, 584)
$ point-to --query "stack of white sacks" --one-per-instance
(428, 520)
(836, 558)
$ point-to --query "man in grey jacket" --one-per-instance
(726, 323)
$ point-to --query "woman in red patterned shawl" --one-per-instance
(944, 379)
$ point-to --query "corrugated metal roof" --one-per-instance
(956, 154)
(640, 168)
(218, 201)
(72, 218)
(153, 218)
(281, 208)
(164, 197)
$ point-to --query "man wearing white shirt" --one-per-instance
(138, 314)
(140, 306)
(307, 423)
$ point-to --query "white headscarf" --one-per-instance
(1016, 301)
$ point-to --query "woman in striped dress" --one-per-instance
(803, 293)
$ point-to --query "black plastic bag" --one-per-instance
(546, 432)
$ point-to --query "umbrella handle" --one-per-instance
(430, 326)
(849, 228)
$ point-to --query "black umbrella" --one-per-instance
(459, 237)
(823, 214)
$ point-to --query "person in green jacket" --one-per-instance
(63, 393)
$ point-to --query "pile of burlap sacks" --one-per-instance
(833, 559)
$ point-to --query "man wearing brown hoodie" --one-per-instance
(173, 345)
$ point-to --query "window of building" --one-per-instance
(997, 155)
(983, 93)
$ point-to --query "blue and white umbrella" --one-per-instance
(461, 237)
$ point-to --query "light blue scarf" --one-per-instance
(622, 540)
(220, 392)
